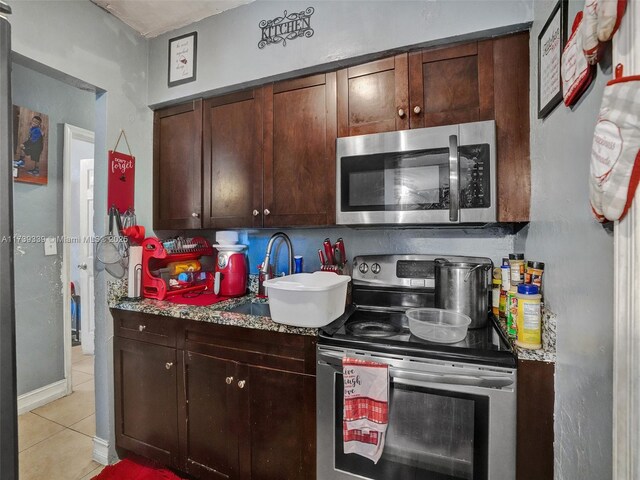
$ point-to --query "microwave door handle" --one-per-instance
(454, 179)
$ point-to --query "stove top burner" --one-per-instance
(369, 328)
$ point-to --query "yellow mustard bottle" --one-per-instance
(529, 317)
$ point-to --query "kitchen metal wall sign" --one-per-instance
(287, 27)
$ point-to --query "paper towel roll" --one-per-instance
(135, 271)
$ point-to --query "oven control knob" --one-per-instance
(364, 268)
(375, 268)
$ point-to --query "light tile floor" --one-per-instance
(56, 441)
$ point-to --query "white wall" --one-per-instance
(81, 41)
(578, 253)
(228, 53)
(37, 211)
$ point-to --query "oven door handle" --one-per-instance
(407, 378)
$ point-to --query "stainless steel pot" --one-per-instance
(464, 287)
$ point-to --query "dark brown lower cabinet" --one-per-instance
(534, 456)
(225, 403)
(209, 417)
(146, 394)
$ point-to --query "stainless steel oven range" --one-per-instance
(452, 407)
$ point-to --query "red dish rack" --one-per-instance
(155, 257)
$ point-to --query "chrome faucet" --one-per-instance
(264, 273)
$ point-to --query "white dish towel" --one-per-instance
(366, 407)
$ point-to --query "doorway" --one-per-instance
(78, 243)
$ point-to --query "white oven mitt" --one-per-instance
(610, 13)
(576, 72)
(589, 32)
(615, 155)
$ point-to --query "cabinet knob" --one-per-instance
(417, 110)
(400, 112)
(228, 380)
(256, 213)
(141, 328)
(267, 211)
(195, 215)
(168, 365)
(82, 266)
(241, 384)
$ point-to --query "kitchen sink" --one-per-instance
(250, 308)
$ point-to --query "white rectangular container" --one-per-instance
(307, 299)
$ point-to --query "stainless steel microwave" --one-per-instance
(437, 175)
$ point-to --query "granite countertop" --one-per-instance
(548, 351)
(217, 313)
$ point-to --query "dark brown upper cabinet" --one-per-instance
(450, 85)
(373, 97)
(177, 166)
(232, 160)
(299, 151)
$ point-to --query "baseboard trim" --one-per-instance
(41, 396)
(101, 451)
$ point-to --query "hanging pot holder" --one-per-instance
(615, 154)
(610, 13)
(576, 72)
(591, 46)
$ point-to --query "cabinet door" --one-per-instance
(373, 97)
(209, 417)
(299, 151)
(146, 399)
(511, 62)
(282, 433)
(450, 85)
(233, 160)
(177, 166)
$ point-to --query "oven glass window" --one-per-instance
(432, 434)
(416, 180)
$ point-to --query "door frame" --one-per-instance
(626, 309)
(71, 133)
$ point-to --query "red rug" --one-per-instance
(138, 469)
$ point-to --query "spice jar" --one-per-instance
(534, 273)
(529, 318)
(516, 266)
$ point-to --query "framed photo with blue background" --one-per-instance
(183, 59)
(551, 42)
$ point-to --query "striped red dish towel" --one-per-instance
(366, 407)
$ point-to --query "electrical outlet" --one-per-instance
(50, 246)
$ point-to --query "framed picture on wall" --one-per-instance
(551, 41)
(30, 137)
(182, 59)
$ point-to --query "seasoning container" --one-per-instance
(534, 273)
(495, 296)
(516, 265)
(529, 318)
(511, 309)
(506, 285)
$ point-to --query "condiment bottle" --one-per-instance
(529, 318)
(511, 309)
(506, 285)
(495, 296)
(516, 264)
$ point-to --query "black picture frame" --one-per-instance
(182, 50)
(550, 59)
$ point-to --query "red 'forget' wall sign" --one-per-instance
(121, 180)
